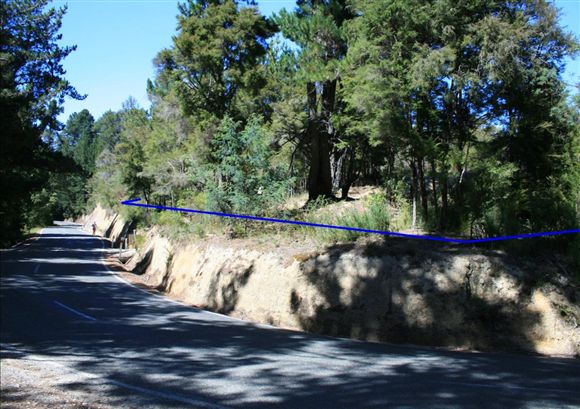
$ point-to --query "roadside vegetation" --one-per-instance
(455, 110)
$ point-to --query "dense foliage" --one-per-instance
(456, 108)
(32, 90)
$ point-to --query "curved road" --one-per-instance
(61, 307)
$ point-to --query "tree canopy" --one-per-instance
(32, 91)
(457, 109)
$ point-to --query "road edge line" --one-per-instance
(170, 300)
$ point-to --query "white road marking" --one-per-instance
(80, 314)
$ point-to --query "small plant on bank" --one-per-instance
(374, 216)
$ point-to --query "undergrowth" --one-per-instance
(375, 215)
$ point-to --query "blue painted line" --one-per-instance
(133, 202)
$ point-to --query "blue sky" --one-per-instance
(118, 39)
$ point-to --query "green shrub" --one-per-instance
(375, 216)
(174, 224)
(404, 216)
(140, 241)
(243, 179)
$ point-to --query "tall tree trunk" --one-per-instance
(434, 189)
(319, 176)
(337, 164)
(343, 170)
(324, 158)
(460, 186)
(327, 137)
(423, 188)
(444, 200)
(414, 194)
(349, 172)
(328, 102)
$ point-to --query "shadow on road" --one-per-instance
(139, 339)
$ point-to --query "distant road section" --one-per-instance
(64, 313)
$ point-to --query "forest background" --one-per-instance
(455, 110)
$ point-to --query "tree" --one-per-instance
(79, 140)
(317, 27)
(528, 98)
(131, 154)
(170, 155)
(243, 180)
(32, 90)
(457, 107)
(64, 196)
(108, 130)
(383, 103)
(214, 61)
(446, 82)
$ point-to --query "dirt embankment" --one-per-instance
(391, 290)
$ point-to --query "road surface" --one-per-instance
(63, 310)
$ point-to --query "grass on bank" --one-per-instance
(32, 231)
(375, 213)
(372, 212)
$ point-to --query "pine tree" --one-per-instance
(317, 27)
(214, 61)
(32, 90)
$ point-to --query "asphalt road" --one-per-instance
(61, 307)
